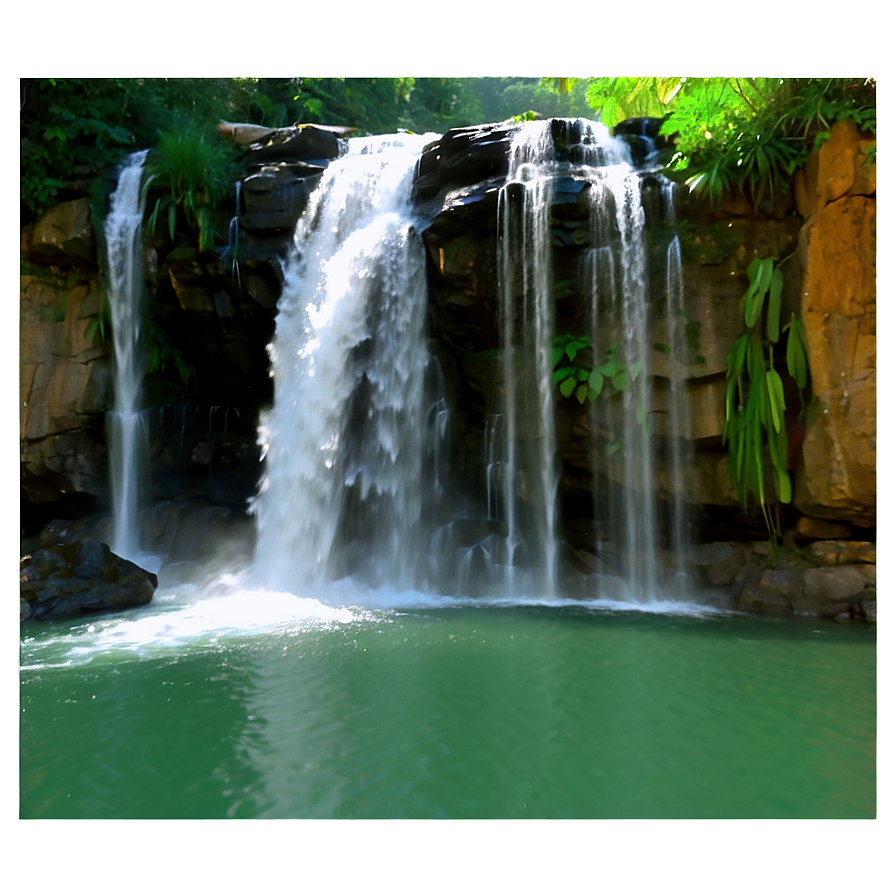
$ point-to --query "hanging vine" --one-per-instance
(755, 405)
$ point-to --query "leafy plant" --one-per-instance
(195, 173)
(751, 134)
(755, 407)
(579, 376)
(163, 357)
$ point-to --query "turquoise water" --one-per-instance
(236, 704)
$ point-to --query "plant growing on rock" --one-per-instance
(580, 376)
(195, 174)
(755, 406)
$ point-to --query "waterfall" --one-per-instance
(526, 291)
(343, 443)
(626, 454)
(615, 287)
(125, 295)
(357, 480)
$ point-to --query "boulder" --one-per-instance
(807, 527)
(837, 553)
(84, 577)
(65, 232)
(276, 196)
(832, 591)
(306, 142)
(718, 563)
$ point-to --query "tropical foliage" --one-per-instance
(755, 404)
(577, 373)
(747, 134)
(193, 172)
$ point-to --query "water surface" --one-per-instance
(379, 705)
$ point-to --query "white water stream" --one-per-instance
(126, 295)
(344, 440)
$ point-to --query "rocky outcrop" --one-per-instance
(64, 373)
(191, 539)
(838, 252)
(75, 579)
(65, 232)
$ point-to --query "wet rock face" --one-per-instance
(84, 577)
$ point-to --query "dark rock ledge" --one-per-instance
(85, 577)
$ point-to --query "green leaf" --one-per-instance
(596, 381)
(582, 393)
(773, 321)
(738, 354)
(784, 487)
(776, 398)
(621, 381)
(567, 386)
(561, 373)
(556, 354)
(729, 399)
(796, 352)
(755, 359)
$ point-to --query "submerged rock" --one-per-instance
(84, 577)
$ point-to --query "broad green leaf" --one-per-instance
(776, 398)
(737, 354)
(796, 353)
(596, 381)
(754, 270)
(572, 350)
(561, 373)
(773, 320)
(784, 488)
(767, 268)
(567, 386)
(755, 359)
(729, 399)
(556, 354)
(582, 393)
(581, 374)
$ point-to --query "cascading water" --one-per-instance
(529, 474)
(354, 483)
(344, 440)
(614, 282)
(626, 453)
(125, 294)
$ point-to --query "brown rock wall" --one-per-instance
(837, 479)
(64, 387)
